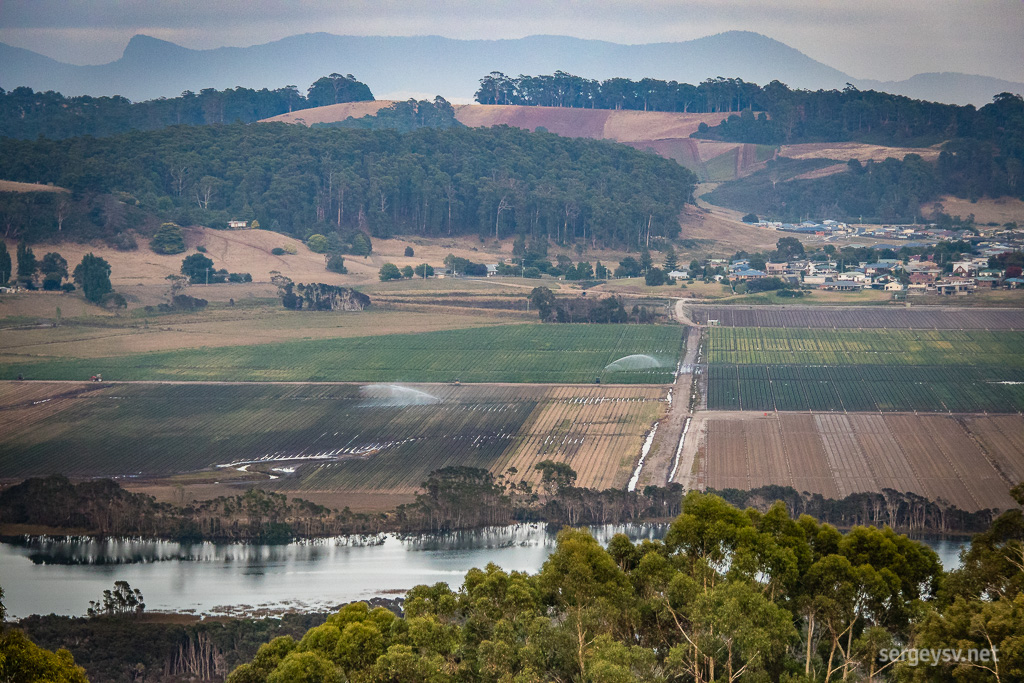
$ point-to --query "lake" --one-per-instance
(61, 576)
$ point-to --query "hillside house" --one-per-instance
(922, 278)
(776, 268)
(831, 285)
(955, 285)
(678, 275)
(238, 225)
(748, 274)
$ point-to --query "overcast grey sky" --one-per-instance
(878, 39)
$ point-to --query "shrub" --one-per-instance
(766, 284)
(750, 218)
(409, 252)
(389, 271)
(197, 268)
(407, 272)
(123, 241)
(93, 275)
(113, 300)
(184, 302)
(361, 245)
(317, 244)
(51, 282)
(168, 240)
(532, 272)
(336, 264)
(655, 277)
(201, 249)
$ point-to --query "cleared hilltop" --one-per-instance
(664, 133)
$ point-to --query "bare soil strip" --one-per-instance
(929, 318)
(967, 461)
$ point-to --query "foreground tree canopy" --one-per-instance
(728, 595)
(498, 182)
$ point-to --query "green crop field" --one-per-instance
(509, 353)
(865, 370)
(760, 345)
(963, 389)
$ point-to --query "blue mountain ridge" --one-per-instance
(429, 65)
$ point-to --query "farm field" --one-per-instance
(511, 353)
(864, 370)
(967, 461)
(742, 345)
(327, 437)
(873, 317)
(883, 388)
(32, 336)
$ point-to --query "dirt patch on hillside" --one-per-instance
(844, 151)
(566, 121)
(730, 234)
(332, 112)
(623, 126)
(12, 186)
(1002, 210)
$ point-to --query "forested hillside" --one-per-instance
(27, 114)
(983, 151)
(498, 182)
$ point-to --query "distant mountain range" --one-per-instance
(402, 67)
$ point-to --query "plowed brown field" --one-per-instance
(970, 462)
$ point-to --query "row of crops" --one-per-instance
(144, 429)
(323, 437)
(510, 353)
(748, 345)
(865, 388)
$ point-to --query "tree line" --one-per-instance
(728, 595)
(403, 117)
(27, 114)
(494, 182)
(451, 499)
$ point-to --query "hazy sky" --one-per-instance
(879, 39)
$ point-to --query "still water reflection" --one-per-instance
(61, 576)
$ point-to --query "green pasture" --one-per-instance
(530, 353)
